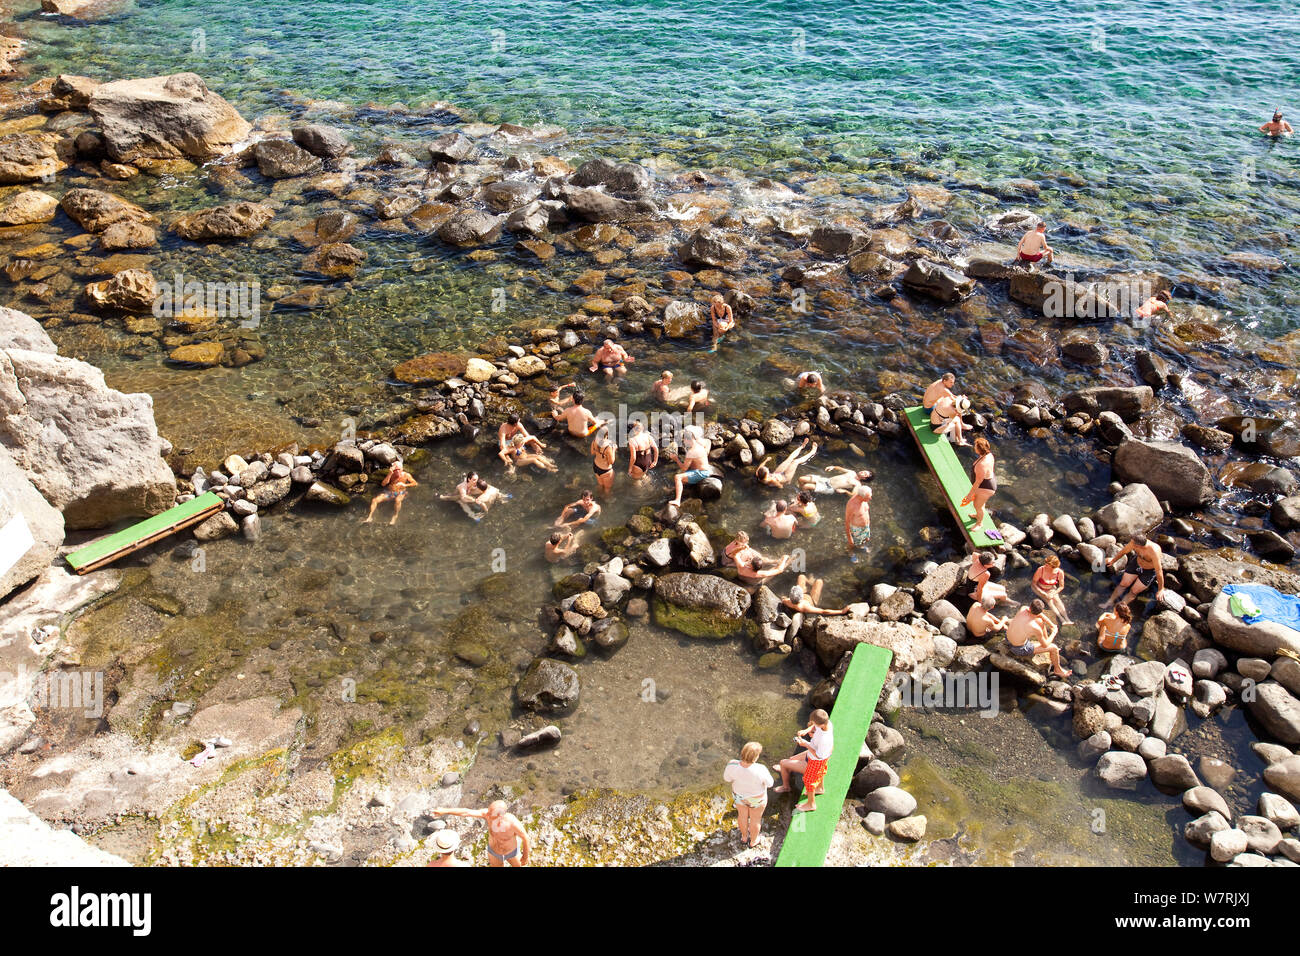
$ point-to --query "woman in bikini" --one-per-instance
(980, 563)
(945, 418)
(1049, 583)
(805, 510)
(1113, 627)
(736, 551)
(984, 482)
(988, 590)
(603, 453)
(396, 482)
(784, 472)
(513, 443)
(642, 452)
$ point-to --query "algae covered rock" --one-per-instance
(549, 687)
(700, 605)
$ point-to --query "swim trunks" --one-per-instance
(696, 475)
(861, 535)
(1021, 650)
(1026, 257)
(822, 486)
(814, 773)
(1146, 575)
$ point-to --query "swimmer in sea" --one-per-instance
(1033, 246)
(811, 381)
(784, 473)
(723, 319)
(611, 359)
(778, 520)
(945, 418)
(642, 451)
(1278, 127)
(698, 397)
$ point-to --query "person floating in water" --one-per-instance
(578, 512)
(1278, 127)
(723, 319)
(784, 473)
(984, 482)
(1033, 246)
(842, 480)
(806, 597)
(395, 486)
(610, 359)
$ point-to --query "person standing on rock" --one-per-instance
(818, 742)
(610, 359)
(603, 453)
(984, 482)
(1141, 568)
(937, 390)
(578, 419)
(642, 451)
(722, 318)
(446, 843)
(1033, 245)
(1049, 583)
(508, 842)
(578, 512)
(395, 485)
(1031, 632)
(1113, 627)
(857, 521)
(750, 781)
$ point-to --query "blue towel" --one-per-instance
(1273, 604)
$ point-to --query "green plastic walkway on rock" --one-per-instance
(108, 549)
(809, 836)
(954, 480)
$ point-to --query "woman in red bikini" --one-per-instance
(1049, 583)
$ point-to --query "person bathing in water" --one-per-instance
(578, 420)
(662, 390)
(698, 397)
(842, 480)
(784, 473)
(810, 381)
(578, 512)
(806, 596)
(395, 486)
(561, 545)
(723, 319)
(603, 453)
(642, 451)
(610, 359)
(805, 510)
(475, 496)
(857, 521)
(513, 444)
(945, 418)
(778, 520)
(1113, 627)
(1033, 245)
(984, 482)
(1278, 127)
(560, 401)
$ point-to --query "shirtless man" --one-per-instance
(857, 521)
(807, 595)
(611, 359)
(981, 621)
(1148, 309)
(937, 390)
(778, 520)
(578, 419)
(394, 488)
(578, 512)
(559, 401)
(1278, 127)
(810, 381)
(1033, 245)
(1031, 632)
(694, 467)
(661, 390)
(842, 481)
(508, 841)
(642, 451)
(513, 443)
(698, 397)
(561, 545)
(723, 320)
(603, 453)
(446, 842)
(754, 569)
(1142, 568)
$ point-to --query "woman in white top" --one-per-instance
(749, 781)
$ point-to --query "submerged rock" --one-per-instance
(234, 221)
(548, 686)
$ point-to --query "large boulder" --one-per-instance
(1206, 572)
(937, 281)
(27, 207)
(1128, 402)
(1261, 639)
(93, 452)
(131, 290)
(700, 605)
(30, 529)
(1135, 510)
(1284, 776)
(165, 117)
(708, 248)
(470, 228)
(910, 644)
(233, 221)
(595, 205)
(323, 141)
(627, 178)
(1173, 471)
(95, 210)
(548, 687)
(1277, 710)
(281, 159)
(27, 158)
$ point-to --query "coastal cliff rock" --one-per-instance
(165, 117)
(31, 529)
(93, 452)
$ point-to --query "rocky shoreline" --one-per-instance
(663, 564)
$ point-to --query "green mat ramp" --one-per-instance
(109, 549)
(954, 480)
(809, 836)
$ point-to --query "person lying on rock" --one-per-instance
(1031, 632)
(1141, 569)
(807, 595)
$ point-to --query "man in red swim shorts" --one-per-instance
(1033, 245)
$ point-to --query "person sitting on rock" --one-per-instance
(981, 621)
(1031, 632)
(722, 318)
(807, 595)
(395, 486)
(1033, 245)
(1113, 627)
(610, 359)
(695, 467)
(578, 512)
(989, 589)
(735, 551)
(1142, 567)
(1048, 583)
(561, 545)
(980, 563)
(818, 742)
(939, 389)
(783, 473)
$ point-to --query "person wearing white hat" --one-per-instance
(446, 842)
